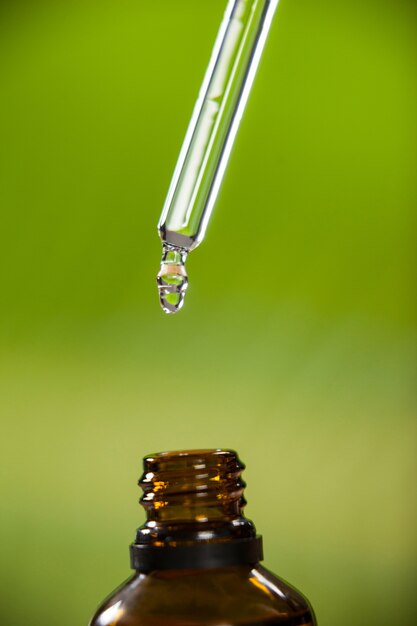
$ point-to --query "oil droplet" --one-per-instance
(172, 278)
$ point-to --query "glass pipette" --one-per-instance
(209, 139)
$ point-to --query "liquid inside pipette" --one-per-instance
(172, 278)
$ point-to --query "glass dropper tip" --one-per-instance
(172, 279)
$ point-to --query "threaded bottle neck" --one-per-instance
(192, 486)
(194, 495)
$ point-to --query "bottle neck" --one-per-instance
(194, 503)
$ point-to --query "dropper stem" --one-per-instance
(211, 133)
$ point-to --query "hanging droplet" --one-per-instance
(172, 279)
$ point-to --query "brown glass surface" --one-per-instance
(231, 596)
(193, 498)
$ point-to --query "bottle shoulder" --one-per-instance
(241, 595)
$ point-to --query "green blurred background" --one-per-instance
(296, 343)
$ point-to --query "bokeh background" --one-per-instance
(296, 345)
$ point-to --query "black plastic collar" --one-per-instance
(145, 558)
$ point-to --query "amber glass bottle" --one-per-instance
(196, 558)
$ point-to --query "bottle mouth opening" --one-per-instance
(192, 459)
(203, 452)
(183, 462)
(199, 452)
